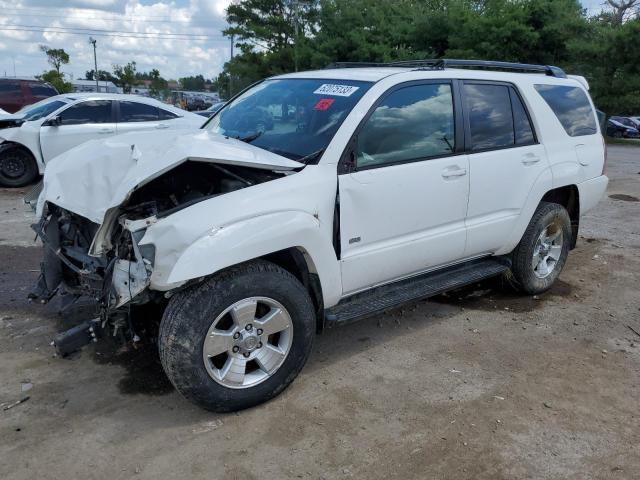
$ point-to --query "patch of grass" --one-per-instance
(632, 142)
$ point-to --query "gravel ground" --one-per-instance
(476, 384)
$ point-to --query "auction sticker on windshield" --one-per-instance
(339, 90)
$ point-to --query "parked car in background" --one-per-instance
(17, 93)
(212, 110)
(627, 121)
(36, 134)
(312, 200)
(616, 129)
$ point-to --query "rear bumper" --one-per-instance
(591, 192)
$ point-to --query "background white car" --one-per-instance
(37, 133)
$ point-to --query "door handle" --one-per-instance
(454, 172)
(162, 126)
(106, 130)
(530, 159)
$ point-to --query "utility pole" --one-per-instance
(95, 63)
(295, 26)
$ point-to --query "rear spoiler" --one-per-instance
(580, 79)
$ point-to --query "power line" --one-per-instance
(83, 29)
(114, 35)
(135, 19)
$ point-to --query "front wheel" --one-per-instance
(17, 167)
(542, 252)
(238, 339)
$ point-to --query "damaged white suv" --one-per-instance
(313, 199)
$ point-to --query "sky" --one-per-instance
(188, 35)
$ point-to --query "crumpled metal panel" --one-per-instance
(100, 174)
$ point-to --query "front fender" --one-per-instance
(247, 239)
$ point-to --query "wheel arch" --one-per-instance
(569, 197)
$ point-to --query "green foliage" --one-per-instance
(57, 80)
(125, 76)
(158, 84)
(554, 32)
(103, 76)
(55, 56)
(196, 83)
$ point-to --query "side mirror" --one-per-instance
(53, 122)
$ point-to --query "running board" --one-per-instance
(379, 299)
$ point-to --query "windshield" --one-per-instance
(291, 117)
(40, 110)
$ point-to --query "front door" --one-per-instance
(403, 203)
(79, 123)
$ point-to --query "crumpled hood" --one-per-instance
(100, 174)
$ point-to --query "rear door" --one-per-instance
(137, 116)
(81, 122)
(505, 159)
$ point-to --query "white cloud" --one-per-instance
(175, 57)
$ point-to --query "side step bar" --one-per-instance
(388, 296)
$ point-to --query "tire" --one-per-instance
(18, 168)
(213, 381)
(538, 260)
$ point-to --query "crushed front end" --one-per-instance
(115, 281)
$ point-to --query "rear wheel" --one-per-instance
(238, 339)
(17, 167)
(542, 252)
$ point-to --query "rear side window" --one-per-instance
(572, 107)
(490, 116)
(412, 123)
(93, 111)
(39, 90)
(138, 112)
(10, 88)
(167, 115)
(521, 122)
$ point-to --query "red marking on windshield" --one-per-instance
(324, 104)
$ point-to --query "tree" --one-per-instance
(103, 76)
(57, 80)
(622, 10)
(56, 57)
(125, 76)
(158, 84)
(196, 83)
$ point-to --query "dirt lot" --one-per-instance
(476, 384)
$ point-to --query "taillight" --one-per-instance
(604, 164)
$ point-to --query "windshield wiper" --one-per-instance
(249, 138)
(307, 159)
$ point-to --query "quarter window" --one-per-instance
(412, 123)
(94, 111)
(521, 123)
(490, 116)
(166, 114)
(138, 112)
(571, 106)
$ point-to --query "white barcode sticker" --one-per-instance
(339, 90)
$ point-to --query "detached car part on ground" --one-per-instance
(311, 200)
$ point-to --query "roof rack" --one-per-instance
(442, 63)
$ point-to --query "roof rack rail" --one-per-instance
(442, 63)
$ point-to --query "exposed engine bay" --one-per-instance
(117, 279)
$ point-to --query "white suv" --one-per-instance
(313, 199)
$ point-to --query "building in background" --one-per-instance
(90, 86)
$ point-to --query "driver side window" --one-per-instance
(412, 123)
(92, 111)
